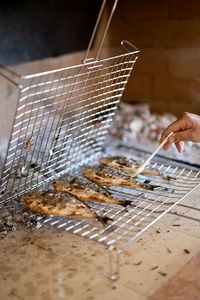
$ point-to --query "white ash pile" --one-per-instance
(137, 122)
(135, 125)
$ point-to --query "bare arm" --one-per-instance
(186, 128)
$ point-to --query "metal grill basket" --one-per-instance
(61, 122)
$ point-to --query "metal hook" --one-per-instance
(129, 47)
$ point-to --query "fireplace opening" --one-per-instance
(32, 30)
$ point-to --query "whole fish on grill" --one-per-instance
(57, 204)
(83, 192)
(130, 166)
(106, 177)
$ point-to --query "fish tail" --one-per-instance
(125, 203)
(152, 187)
(104, 220)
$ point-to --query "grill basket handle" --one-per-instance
(96, 28)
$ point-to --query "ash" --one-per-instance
(14, 217)
(135, 125)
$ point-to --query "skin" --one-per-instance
(185, 128)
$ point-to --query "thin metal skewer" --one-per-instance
(147, 161)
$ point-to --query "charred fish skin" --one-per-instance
(82, 192)
(58, 204)
(124, 164)
(94, 186)
(128, 166)
(50, 202)
(118, 161)
(82, 183)
(106, 176)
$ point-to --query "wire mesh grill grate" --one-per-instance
(61, 120)
(145, 208)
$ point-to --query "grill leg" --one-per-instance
(114, 264)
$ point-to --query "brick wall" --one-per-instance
(167, 73)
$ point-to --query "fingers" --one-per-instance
(180, 146)
(174, 127)
(166, 146)
(178, 138)
(186, 128)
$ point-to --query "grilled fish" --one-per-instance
(129, 166)
(105, 176)
(52, 203)
(83, 192)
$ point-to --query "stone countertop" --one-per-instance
(185, 284)
(48, 263)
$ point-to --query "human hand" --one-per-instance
(186, 128)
